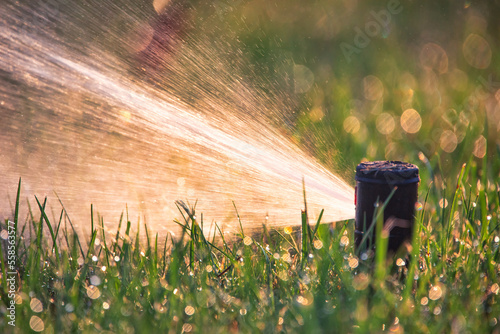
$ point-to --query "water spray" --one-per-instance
(388, 188)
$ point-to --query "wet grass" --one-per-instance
(305, 280)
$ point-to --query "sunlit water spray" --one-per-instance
(76, 122)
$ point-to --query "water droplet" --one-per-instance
(36, 324)
(186, 328)
(344, 241)
(105, 305)
(189, 310)
(69, 308)
(443, 203)
(353, 262)
(435, 292)
(95, 280)
(247, 241)
(36, 305)
(288, 230)
(93, 292)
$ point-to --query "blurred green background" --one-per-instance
(382, 80)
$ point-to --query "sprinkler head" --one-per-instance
(395, 184)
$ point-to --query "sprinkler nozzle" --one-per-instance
(391, 186)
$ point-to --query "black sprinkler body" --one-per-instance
(375, 181)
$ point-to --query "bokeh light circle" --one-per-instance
(448, 141)
(477, 51)
(480, 147)
(352, 124)
(385, 123)
(36, 324)
(411, 121)
(433, 56)
(373, 88)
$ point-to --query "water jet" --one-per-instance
(77, 121)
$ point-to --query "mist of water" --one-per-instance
(77, 121)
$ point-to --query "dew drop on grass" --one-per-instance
(36, 324)
(435, 292)
(318, 244)
(353, 262)
(288, 230)
(95, 280)
(247, 241)
(117, 258)
(497, 239)
(80, 261)
(443, 203)
(93, 292)
(495, 289)
(36, 305)
(208, 268)
(418, 206)
(424, 301)
(186, 328)
(18, 299)
(344, 241)
(189, 310)
(400, 262)
(105, 305)
(243, 311)
(4, 234)
(69, 308)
